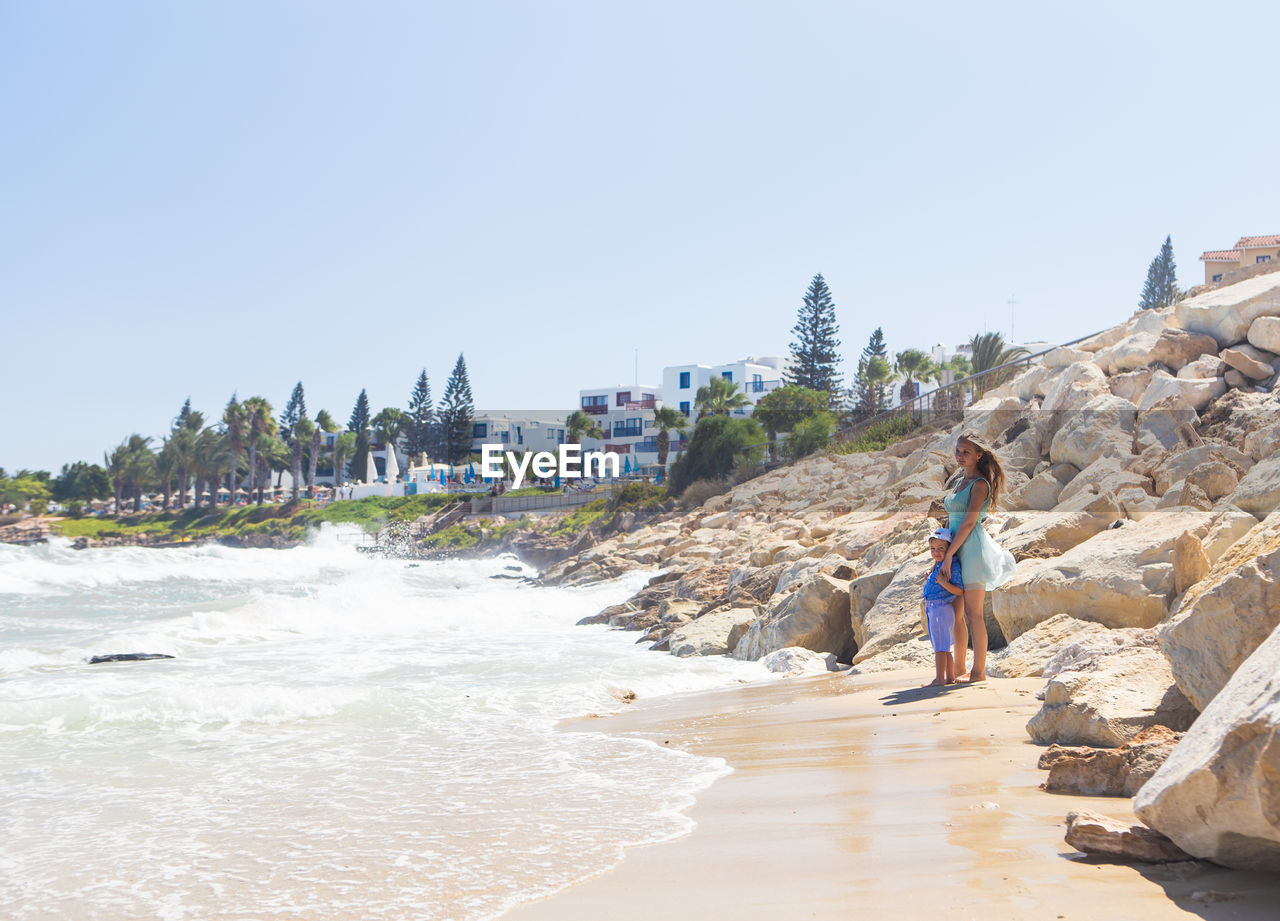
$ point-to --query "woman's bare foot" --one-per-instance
(962, 679)
(972, 678)
(935, 683)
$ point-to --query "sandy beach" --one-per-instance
(872, 797)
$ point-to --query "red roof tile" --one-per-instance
(1221, 255)
(1254, 242)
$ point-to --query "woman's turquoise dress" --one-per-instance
(982, 560)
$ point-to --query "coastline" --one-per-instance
(869, 795)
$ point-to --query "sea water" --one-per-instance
(338, 736)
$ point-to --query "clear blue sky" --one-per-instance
(197, 199)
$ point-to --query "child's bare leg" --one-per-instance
(962, 638)
(973, 601)
(949, 669)
(940, 669)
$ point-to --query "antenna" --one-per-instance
(1013, 302)
(637, 367)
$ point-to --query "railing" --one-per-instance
(633, 405)
(595, 409)
(628, 431)
(760, 386)
(950, 400)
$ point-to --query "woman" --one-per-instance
(983, 564)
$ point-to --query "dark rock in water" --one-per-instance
(127, 657)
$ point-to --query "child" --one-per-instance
(940, 590)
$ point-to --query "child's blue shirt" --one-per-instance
(935, 592)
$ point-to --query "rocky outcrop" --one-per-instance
(1108, 699)
(1259, 491)
(1027, 655)
(1218, 794)
(1226, 614)
(709, 635)
(796, 660)
(1108, 771)
(815, 616)
(1121, 577)
(1227, 313)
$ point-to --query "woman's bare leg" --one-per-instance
(973, 601)
(962, 639)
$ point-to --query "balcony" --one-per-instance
(595, 409)
(633, 405)
(628, 431)
(761, 386)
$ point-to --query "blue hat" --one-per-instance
(942, 534)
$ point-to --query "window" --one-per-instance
(624, 397)
(561, 436)
(551, 434)
(480, 430)
(649, 397)
(628, 428)
(504, 437)
(727, 375)
(519, 436)
(757, 383)
(684, 408)
(1217, 277)
(595, 405)
(684, 380)
(1262, 259)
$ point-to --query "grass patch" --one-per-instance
(879, 436)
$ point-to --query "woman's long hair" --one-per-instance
(988, 464)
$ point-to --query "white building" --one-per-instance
(755, 375)
(625, 416)
(518, 430)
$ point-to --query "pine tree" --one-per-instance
(294, 410)
(871, 388)
(421, 417)
(359, 423)
(455, 414)
(1161, 288)
(814, 354)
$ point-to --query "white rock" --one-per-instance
(1206, 366)
(1102, 427)
(709, 634)
(1121, 577)
(1196, 392)
(1216, 795)
(800, 661)
(1259, 491)
(1223, 617)
(1108, 475)
(1063, 356)
(1264, 333)
(1131, 385)
(1227, 313)
(1108, 700)
(1026, 656)
(1247, 365)
(815, 616)
(1074, 386)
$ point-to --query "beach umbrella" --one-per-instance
(370, 468)
(442, 478)
(392, 467)
(626, 465)
(471, 471)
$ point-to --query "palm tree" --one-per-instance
(298, 434)
(167, 462)
(580, 425)
(720, 395)
(323, 424)
(182, 442)
(257, 412)
(139, 467)
(208, 457)
(664, 420)
(234, 418)
(343, 447)
(917, 366)
(116, 463)
(273, 456)
(989, 352)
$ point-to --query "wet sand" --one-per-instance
(871, 797)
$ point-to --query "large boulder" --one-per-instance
(1105, 475)
(1196, 392)
(1109, 699)
(1218, 795)
(1074, 386)
(1264, 333)
(895, 616)
(1165, 424)
(710, 634)
(1041, 492)
(1108, 771)
(1131, 385)
(1224, 616)
(1206, 366)
(1258, 492)
(1249, 366)
(815, 616)
(1176, 348)
(1227, 313)
(1122, 577)
(1103, 427)
(1040, 535)
(1175, 466)
(1027, 655)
